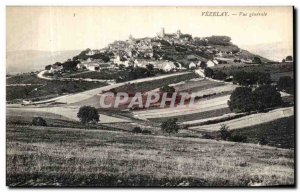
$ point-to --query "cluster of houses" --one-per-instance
(94, 65)
(140, 53)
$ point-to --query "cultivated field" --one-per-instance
(38, 156)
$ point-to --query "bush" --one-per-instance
(88, 114)
(137, 130)
(170, 126)
(167, 89)
(208, 72)
(263, 141)
(39, 121)
(146, 132)
(219, 75)
(238, 138)
(286, 84)
(224, 132)
(251, 78)
(256, 60)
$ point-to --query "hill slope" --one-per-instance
(76, 157)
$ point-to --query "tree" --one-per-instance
(224, 132)
(88, 114)
(170, 126)
(203, 65)
(38, 121)
(219, 40)
(256, 60)
(208, 72)
(220, 75)
(167, 89)
(48, 67)
(286, 83)
(122, 67)
(150, 67)
(251, 78)
(241, 100)
(289, 58)
(265, 97)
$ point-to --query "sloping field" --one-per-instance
(74, 157)
(249, 120)
(66, 112)
(197, 107)
(77, 98)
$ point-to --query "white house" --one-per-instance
(167, 66)
(192, 65)
(92, 66)
(212, 63)
(55, 68)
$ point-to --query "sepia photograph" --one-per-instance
(150, 96)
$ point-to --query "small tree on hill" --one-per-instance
(289, 58)
(88, 114)
(224, 132)
(167, 89)
(286, 83)
(208, 72)
(170, 126)
(39, 121)
(257, 60)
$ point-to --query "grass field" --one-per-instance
(274, 69)
(194, 116)
(48, 89)
(48, 156)
(104, 74)
(150, 85)
(279, 133)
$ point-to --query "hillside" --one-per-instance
(78, 157)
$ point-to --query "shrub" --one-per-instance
(167, 89)
(256, 60)
(39, 121)
(208, 72)
(220, 75)
(238, 138)
(137, 130)
(224, 132)
(263, 141)
(88, 114)
(286, 83)
(251, 78)
(170, 126)
(146, 131)
(289, 58)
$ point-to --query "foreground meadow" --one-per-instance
(49, 156)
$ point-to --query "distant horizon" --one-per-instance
(74, 28)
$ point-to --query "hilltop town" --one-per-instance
(165, 51)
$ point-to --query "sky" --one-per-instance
(77, 28)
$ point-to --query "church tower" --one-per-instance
(162, 32)
(178, 33)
